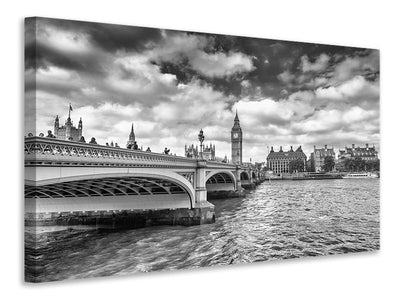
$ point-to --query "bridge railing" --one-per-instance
(41, 150)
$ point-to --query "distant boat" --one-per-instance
(360, 175)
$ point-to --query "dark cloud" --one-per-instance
(110, 37)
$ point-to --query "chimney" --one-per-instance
(272, 148)
(326, 146)
(366, 146)
(280, 149)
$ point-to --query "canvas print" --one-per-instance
(152, 149)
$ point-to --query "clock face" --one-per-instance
(235, 135)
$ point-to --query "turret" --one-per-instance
(56, 125)
(68, 124)
(132, 139)
(80, 127)
(132, 134)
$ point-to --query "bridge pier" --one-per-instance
(238, 181)
(203, 209)
(200, 184)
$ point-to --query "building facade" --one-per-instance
(278, 162)
(318, 157)
(192, 151)
(366, 153)
(68, 131)
(237, 141)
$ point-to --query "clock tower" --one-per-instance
(236, 141)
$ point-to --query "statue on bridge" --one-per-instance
(50, 134)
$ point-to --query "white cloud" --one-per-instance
(63, 40)
(222, 64)
(320, 64)
(316, 82)
(264, 112)
(135, 76)
(357, 88)
(286, 77)
(353, 66)
(192, 47)
(195, 103)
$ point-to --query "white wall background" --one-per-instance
(373, 24)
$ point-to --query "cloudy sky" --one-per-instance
(172, 83)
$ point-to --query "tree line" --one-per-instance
(349, 165)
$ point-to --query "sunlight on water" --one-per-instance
(278, 220)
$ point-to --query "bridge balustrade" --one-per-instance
(41, 150)
(46, 150)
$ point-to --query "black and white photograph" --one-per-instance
(150, 149)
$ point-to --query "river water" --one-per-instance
(277, 220)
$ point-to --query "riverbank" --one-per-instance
(306, 176)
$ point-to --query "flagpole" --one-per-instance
(69, 111)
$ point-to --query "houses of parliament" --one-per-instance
(69, 132)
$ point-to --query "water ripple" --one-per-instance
(279, 220)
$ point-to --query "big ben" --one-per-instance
(236, 141)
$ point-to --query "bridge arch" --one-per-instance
(140, 189)
(244, 176)
(221, 180)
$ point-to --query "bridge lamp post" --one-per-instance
(201, 139)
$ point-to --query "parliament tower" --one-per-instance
(132, 140)
(236, 141)
(68, 131)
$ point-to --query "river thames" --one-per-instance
(277, 220)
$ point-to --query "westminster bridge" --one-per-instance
(70, 183)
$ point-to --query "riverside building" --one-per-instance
(366, 153)
(279, 161)
(318, 157)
